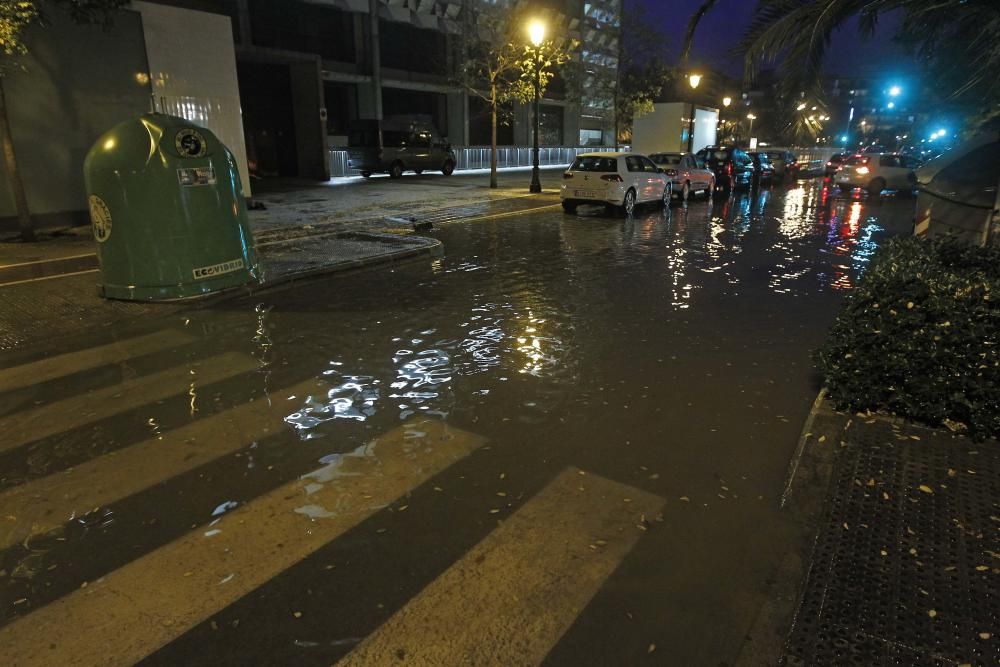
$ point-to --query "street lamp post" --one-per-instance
(726, 101)
(751, 118)
(694, 80)
(536, 31)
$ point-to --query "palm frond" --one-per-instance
(692, 26)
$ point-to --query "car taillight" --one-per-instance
(671, 172)
(615, 178)
(862, 170)
(567, 175)
(829, 164)
(729, 168)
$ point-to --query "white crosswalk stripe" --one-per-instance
(61, 365)
(46, 503)
(529, 579)
(68, 413)
(134, 610)
(510, 599)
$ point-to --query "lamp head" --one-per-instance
(536, 32)
(694, 80)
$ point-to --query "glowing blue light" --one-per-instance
(895, 91)
(844, 138)
(891, 105)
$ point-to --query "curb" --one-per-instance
(433, 249)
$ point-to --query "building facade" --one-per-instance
(308, 68)
(280, 81)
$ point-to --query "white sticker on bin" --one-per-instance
(217, 269)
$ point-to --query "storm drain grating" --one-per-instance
(905, 564)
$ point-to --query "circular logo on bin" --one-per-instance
(189, 142)
(100, 219)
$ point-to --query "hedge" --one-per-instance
(919, 337)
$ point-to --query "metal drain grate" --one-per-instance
(902, 575)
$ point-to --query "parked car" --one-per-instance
(395, 145)
(763, 170)
(732, 167)
(785, 164)
(687, 173)
(834, 163)
(620, 181)
(877, 172)
(957, 192)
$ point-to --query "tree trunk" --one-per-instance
(24, 220)
(493, 137)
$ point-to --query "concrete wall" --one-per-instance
(77, 82)
(310, 126)
(192, 65)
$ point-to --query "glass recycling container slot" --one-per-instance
(168, 211)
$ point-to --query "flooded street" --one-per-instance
(563, 442)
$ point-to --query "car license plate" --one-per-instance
(584, 193)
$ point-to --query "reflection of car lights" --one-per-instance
(862, 170)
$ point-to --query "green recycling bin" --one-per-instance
(167, 211)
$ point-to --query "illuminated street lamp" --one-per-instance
(694, 80)
(895, 91)
(751, 118)
(536, 33)
(726, 101)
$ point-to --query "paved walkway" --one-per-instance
(904, 566)
(48, 289)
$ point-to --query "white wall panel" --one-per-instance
(192, 66)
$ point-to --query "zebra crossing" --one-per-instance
(529, 577)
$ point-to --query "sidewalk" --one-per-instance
(904, 566)
(48, 289)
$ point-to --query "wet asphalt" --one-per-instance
(669, 352)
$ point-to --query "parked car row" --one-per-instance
(621, 180)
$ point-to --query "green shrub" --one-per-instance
(919, 337)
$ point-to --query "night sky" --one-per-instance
(725, 25)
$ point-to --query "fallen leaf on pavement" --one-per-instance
(932, 613)
(926, 489)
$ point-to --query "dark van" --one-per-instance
(397, 145)
(732, 166)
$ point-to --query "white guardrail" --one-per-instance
(478, 157)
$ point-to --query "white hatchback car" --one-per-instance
(877, 172)
(618, 180)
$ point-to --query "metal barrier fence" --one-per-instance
(478, 157)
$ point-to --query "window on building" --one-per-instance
(407, 47)
(591, 137)
(306, 28)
